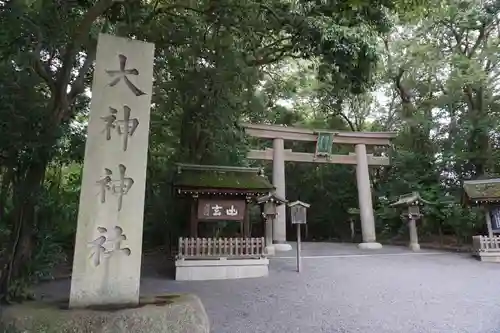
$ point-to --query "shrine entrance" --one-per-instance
(325, 139)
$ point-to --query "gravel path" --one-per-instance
(342, 289)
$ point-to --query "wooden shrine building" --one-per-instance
(218, 223)
(485, 193)
(219, 193)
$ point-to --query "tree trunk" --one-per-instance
(26, 194)
(26, 189)
(7, 179)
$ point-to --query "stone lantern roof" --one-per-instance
(299, 203)
(410, 199)
(271, 197)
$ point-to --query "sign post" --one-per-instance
(298, 213)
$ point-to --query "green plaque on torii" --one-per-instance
(324, 144)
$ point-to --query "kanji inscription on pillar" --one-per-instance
(108, 245)
(125, 127)
(118, 186)
(122, 74)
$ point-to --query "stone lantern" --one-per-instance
(269, 204)
(411, 204)
(353, 215)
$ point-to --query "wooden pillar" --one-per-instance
(263, 222)
(246, 221)
(488, 220)
(193, 230)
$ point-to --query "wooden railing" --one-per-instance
(485, 244)
(214, 248)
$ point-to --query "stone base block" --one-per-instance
(282, 247)
(369, 246)
(221, 269)
(414, 247)
(269, 250)
(158, 314)
(489, 257)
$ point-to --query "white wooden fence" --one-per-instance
(485, 244)
(214, 248)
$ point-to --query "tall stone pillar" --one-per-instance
(108, 244)
(365, 200)
(279, 223)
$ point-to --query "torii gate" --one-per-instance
(324, 139)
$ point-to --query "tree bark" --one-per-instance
(7, 179)
(26, 192)
(28, 185)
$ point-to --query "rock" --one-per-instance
(157, 314)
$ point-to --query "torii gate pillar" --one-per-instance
(365, 200)
(279, 224)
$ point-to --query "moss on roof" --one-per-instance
(482, 189)
(219, 177)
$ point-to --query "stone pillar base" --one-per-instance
(414, 247)
(369, 246)
(269, 250)
(282, 247)
(157, 314)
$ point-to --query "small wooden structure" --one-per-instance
(485, 193)
(220, 194)
(411, 213)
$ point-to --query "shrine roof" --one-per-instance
(191, 177)
(482, 190)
